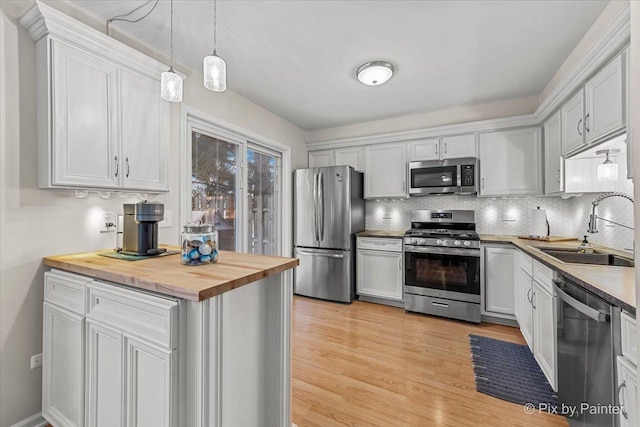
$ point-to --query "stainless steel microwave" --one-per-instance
(450, 176)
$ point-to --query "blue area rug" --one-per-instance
(509, 372)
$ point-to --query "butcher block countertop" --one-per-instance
(166, 275)
(613, 284)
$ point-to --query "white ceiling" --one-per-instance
(298, 58)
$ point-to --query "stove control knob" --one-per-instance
(410, 240)
(440, 242)
(467, 243)
(420, 241)
(457, 243)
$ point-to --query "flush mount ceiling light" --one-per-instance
(170, 81)
(607, 171)
(375, 73)
(214, 67)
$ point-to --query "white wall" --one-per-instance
(36, 223)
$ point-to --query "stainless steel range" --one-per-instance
(442, 264)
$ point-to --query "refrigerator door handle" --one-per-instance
(321, 203)
(339, 256)
(315, 207)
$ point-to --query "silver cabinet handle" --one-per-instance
(483, 183)
(586, 123)
(558, 176)
(445, 148)
(529, 296)
(404, 186)
(117, 166)
(400, 263)
(620, 395)
(128, 168)
(533, 295)
(436, 149)
(579, 121)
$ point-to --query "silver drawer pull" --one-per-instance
(440, 304)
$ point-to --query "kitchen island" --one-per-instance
(156, 343)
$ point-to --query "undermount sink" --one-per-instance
(596, 258)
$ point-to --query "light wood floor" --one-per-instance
(370, 365)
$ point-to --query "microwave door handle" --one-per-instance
(459, 177)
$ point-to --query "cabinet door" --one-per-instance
(380, 274)
(526, 322)
(499, 280)
(63, 366)
(105, 353)
(627, 393)
(385, 171)
(84, 119)
(150, 379)
(320, 159)
(544, 331)
(424, 149)
(572, 122)
(458, 146)
(511, 162)
(353, 157)
(553, 161)
(145, 133)
(604, 101)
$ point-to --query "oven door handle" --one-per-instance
(443, 251)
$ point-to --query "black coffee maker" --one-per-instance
(140, 228)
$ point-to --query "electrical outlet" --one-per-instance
(107, 222)
(166, 222)
(36, 361)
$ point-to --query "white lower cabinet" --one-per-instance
(524, 282)
(498, 291)
(380, 269)
(544, 331)
(627, 392)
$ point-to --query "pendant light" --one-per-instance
(214, 67)
(608, 171)
(170, 81)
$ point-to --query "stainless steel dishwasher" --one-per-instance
(588, 340)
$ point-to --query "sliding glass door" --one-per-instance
(263, 201)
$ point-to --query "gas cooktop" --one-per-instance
(453, 228)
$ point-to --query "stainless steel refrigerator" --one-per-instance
(328, 211)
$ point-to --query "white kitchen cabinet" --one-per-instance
(627, 392)
(498, 292)
(458, 146)
(572, 122)
(380, 269)
(447, 147)
(525, 282)
(352, 156)
(385, 171)
(605, 110)
(322, 158)
(511, 162)
(145, 133)
(82, 149)
(553, 161)
(544, 331)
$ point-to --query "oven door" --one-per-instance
(433, 178)
(443, 272)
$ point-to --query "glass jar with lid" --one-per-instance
(199, 244)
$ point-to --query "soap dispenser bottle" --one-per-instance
(585, 247)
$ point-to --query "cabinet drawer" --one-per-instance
(380, 244)
(543, 275)
(525, 262)
(149, 317)
(629, 342)
(66, 290)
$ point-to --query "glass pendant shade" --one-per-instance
(608, 171)
(215, 73)
(171, 86)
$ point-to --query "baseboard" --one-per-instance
(33, 421)
(383, 301)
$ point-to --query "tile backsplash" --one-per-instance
(511, 215)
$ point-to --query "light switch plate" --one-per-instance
(107, 218)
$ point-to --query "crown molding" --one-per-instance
(42, 20)
(432, 132)
(612, 41)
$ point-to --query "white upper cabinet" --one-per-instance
(84, 132)
(352, 156)
(447, 147)
(322, 158)
(145, 133)
(101, 121)
(553, 161)
(511, 162)
(572, 121)
(385, 171)
(458, 146)
(605, 101)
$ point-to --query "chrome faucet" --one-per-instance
(593, 218)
